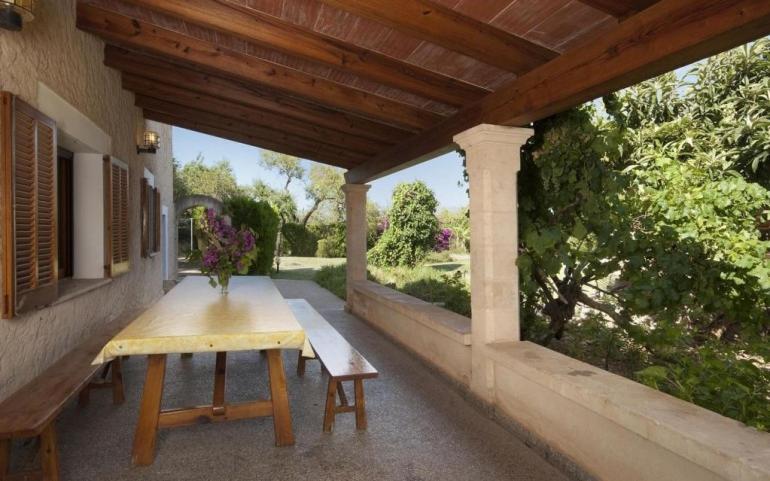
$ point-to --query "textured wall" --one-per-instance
(52, 51)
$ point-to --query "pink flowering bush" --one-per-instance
(228, 250)
(443, 240)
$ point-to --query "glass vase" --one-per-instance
(224, 283)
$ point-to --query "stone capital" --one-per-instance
(355, 188)
(489, 133)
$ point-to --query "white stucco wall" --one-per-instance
(48, 62)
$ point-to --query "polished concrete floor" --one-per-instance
(420, 427)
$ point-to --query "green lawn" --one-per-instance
(304, 268)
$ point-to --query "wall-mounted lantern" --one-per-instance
(13, 13)
(151, 143)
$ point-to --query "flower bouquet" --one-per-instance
(228, 250)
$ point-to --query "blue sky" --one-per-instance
(440, 174)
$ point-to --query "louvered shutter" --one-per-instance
(144, 203)
(156, 220)
(116, 211)
(29, 226)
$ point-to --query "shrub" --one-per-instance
(331, 241)
(299, 240)
(262, 219)
(412, 227)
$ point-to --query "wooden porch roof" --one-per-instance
(374, 85)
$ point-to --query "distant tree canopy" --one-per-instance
(651, 213)
(412, 227)
(197, 178)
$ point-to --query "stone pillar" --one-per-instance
(493, 155)
(355, 220)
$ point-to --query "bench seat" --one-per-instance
(341, 361)
(32, 410)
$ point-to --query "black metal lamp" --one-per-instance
(13, 13)
(151, 143)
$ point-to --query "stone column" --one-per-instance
(493, 155)
(355, 220)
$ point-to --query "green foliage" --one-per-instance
(331, 239)
(281, 201)
(198, 178)
(459, 222)
(300, 241)
(412, 227)
(649, 217)
(374, 219)
(262, 219)
(286, 165)
(324, 189)
(333, 278)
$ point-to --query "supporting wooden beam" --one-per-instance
(248, 139)
(668, 35)
(149, 89)
(452, 30)
(339, 153)
(160, 71)
(619, 8)
(273, 33)
(134, 33)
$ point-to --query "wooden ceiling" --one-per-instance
(372, 85)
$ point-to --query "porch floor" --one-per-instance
(420, 427)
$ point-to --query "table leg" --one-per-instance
(147, 426)
(49, 453)
(280, 399)
(220, 374)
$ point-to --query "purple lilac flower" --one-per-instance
(443, 239)
(248, 240)
(210, 258)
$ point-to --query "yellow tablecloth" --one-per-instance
(194, 317)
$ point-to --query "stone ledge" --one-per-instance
(721, 445)
(445, 322)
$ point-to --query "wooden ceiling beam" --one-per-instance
(276, 135)
(157, 70)
(270, 32)
(668, 35)
(619, 8)
(250, 138)
(452, 30)
(180, 96)
(134, 33)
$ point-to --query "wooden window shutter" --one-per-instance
(28, 184)
(157, 220)
(145, 213)
(116, 189)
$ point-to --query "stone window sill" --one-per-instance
(72, 288)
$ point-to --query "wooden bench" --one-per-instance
(31, 411)
(338, 359)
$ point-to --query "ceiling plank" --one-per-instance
(619, 8)
(338, 153)
(452, 30)
(668, 35)
(149, 89)
(160, 71)
(249, 138)
(134, 33)
(268, 31)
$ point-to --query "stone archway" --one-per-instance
(206, 201)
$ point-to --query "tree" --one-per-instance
(650, 215)
(412, 227)
(286, 165)
(197, 178)
(324, 186)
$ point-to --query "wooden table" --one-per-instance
(193, 317)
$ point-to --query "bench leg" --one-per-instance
(360, 404)
(300, 365)
(147, 426)
(341, 393)
(279, 398)
(118, 393)
(5, 457)
(331, 404)
(49, 453)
